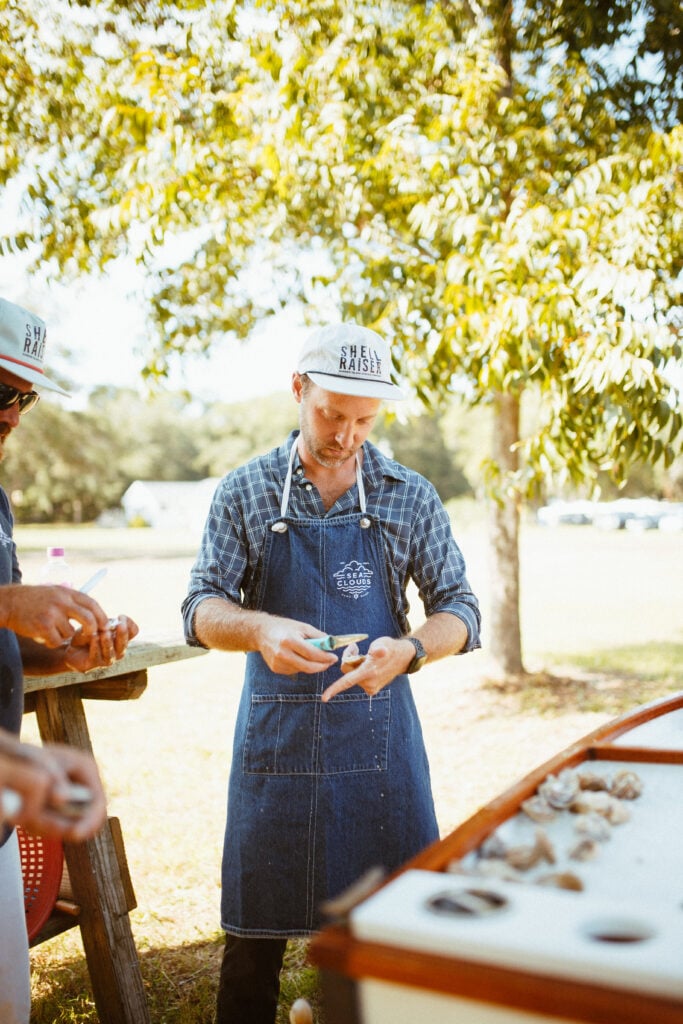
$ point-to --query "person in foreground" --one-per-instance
(43, 630)
(329, 773)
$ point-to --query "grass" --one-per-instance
(602, 633)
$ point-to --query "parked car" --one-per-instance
(624, 513)
(578, 513)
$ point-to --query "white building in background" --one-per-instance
(173, 504)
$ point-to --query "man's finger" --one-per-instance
(338, 687)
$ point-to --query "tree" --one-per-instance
(419, 442)
(62, 466)
(483, 183)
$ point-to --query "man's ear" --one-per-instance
(297, 386)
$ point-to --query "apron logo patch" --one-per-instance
(354, 579)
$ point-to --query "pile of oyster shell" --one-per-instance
(598, 803)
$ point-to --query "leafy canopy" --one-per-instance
(491, 185)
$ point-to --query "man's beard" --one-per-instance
(324, 454)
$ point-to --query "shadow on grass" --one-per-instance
(611, 682)
(180, 983)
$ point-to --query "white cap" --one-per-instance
(349, 360)
(22, 345)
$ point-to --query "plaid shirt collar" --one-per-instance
(376, 466)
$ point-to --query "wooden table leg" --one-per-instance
(96, 881)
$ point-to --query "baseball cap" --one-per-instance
(22, 345)
(349, 360)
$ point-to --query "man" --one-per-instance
(329, 774)
(43, 630)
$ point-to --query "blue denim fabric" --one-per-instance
(320, 792)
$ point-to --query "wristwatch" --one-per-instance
(420, 655)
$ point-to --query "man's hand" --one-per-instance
(42, 777)
(386, 659)
(285, 650)
(109, 645)
(45, 613)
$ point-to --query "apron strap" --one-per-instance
(288, 483)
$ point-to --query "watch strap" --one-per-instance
(420, 655)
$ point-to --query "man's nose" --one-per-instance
(344, 435)
(11, 415)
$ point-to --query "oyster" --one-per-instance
(617, 812)
(545, 848)
(493, 846)
(590, 780)
(562, 880)
(626, 785)
(592, 801)
(601, 802)
(593, 826)
(538, 809)
(584, 849)
(559, 790)
(524, 857)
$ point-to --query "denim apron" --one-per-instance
(320, 792)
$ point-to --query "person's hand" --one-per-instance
(42, 778)
(386, 659)
(284, 648)
(83, 653)
(48, 613)
(351, 659)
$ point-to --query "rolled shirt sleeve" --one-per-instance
(438, 567)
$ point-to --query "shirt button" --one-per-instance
(309, 487)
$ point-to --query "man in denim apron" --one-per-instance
(329, 774)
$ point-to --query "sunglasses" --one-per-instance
(10, 396)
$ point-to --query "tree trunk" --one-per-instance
(505, 632)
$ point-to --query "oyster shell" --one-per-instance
(588, 779)
(538, 809)
(584, 849)
(626, 785)
(524, 857)
(562, 880)
(559, 790)
(617, 812)
(593, 826)
(601, 802)
(592, 801)
(493, 846)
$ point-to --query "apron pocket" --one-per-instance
(280, 736)
(354, 733)
(296, 734)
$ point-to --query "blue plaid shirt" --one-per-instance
(417, 535)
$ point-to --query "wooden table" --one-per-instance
(102, 891)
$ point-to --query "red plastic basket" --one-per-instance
(42, 863)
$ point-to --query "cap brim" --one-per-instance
(357, 388)
(31, 376)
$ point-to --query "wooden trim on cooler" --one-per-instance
(335, 950)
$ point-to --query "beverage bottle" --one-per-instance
(56, 569)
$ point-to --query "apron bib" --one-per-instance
(320, 792)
